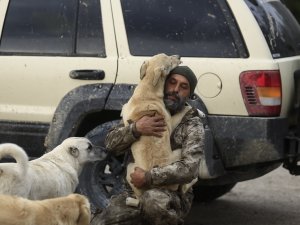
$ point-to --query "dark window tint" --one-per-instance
(90, 38)
(189, 28)
(49, 27)
(280, 28)
(39, 26)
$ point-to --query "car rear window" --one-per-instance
(280, 28)
(63, 27)
(192, 28)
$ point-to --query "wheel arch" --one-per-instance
(77, 106)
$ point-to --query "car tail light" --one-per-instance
(261, 91)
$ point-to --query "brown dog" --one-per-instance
(147, 99)
(71, 210)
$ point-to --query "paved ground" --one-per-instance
(273, 199)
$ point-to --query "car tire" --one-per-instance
(210, 193)
(101, 179)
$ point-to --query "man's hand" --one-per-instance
(138, 178)
(151, 125)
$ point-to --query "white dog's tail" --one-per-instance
(16, 152)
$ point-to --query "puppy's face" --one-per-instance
(82, 149)
(160, 66)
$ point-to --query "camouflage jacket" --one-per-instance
(188, 136)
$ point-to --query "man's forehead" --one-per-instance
(178, 77)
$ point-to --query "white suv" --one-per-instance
(68, 66)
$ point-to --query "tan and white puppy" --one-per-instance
(52, 175)
(147, 99)
(73, 209)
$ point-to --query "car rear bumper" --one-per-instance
(248, 140)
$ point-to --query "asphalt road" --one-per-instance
(273, 199)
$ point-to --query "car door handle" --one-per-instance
(87, 74)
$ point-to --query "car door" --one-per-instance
(47, 49)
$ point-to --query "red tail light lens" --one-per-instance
(261, 91)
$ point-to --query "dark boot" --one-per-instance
(118, 213)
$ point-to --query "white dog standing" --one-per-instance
(147, 99)
(52, 175)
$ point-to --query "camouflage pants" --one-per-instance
(157, 207)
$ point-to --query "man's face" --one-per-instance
(177, 91)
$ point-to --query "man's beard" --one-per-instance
(174, 106)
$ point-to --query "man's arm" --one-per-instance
(121, 137)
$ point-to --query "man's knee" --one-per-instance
(117, 212)
(154, 199)
(157, 206)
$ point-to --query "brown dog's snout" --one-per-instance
(176, 56)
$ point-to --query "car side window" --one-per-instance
(190, 28)
(58, 27)
(90, 38)
(280, 28)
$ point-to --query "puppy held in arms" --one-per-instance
(147, 99)
(52, 175)
(71, 210)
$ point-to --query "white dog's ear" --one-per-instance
(74, 152)
(143, 69)
(157, 75)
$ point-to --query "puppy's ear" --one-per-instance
(143, 69)
(157, 75)
(84, 217)
(74, 152)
